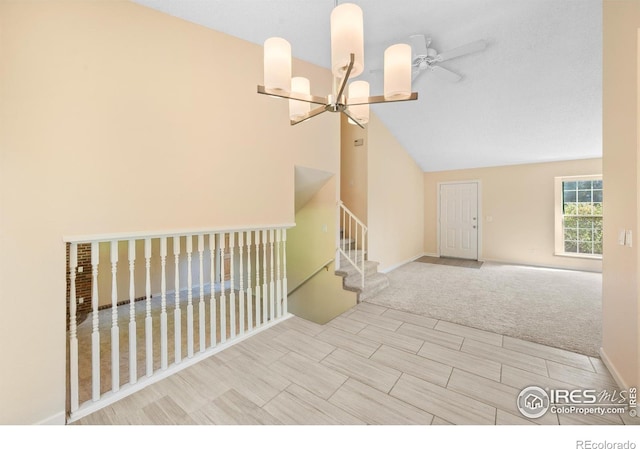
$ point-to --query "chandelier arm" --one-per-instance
(354, 120)
(292, 95)
(310, 114)
(381, 99)
(346, 77)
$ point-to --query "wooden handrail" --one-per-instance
(311, 276)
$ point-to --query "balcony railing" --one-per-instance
(161, 302)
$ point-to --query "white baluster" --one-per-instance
(355, 245)
(232, 293)
(241, 282)
(133, 351)
(344, 229)
(265, 297)
(272, 285)
(177, 314)
(258, 305)
(278, 279)
(212, 287)
(350, 221)
(223, 296)
(363, 251)
(73, 329)
(201, 308)
(95, 334)
(285, 292)
(164, 351)
(249, 289)
(115, 330)
(148, 321)
(189, 240)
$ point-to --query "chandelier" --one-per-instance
(347, 61)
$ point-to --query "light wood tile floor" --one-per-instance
(371, 365)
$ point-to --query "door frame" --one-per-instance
(478, 182)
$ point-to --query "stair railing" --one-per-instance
(217, 310)
(353, 233)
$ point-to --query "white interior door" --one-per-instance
(459, 220)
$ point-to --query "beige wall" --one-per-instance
(395, 200)
(117, 118)
(621, 20)
(353, 169)
(517, 211)
(311, 244)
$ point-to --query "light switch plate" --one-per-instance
(628, 239)
(621, 237)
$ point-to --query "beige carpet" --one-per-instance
(559, 308)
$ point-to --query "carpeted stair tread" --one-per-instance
(373, 284)
(356, 256)
(346, 269)
(347, 243)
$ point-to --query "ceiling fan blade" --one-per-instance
(446, 74)
(418, 45)
(462, 50)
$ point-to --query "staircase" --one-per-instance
(374, 282)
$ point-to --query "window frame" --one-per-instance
(559, 215)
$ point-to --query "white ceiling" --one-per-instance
(534, 95)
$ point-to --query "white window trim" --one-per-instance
(559, 232)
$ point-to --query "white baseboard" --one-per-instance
(59, 419)
(431, 254)
(398, 265)
(612, 370)
(523, 264)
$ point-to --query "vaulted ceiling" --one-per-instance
(533, 95)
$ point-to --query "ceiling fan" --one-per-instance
(424, 57)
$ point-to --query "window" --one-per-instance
(579, 216)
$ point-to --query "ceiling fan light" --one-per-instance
(347, 36)
(397, 71)
(359, 89)
(298, 109)
(277, 63)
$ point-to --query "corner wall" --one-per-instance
(517, 207)
(395, 200)
(620, 347)
(118, 118)
(354, 169)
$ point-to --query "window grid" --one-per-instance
(582, 216)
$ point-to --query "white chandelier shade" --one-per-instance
(277, 64)
(297, 108)
(359, 89)
(347, 37)
(397, 71)
(347, 61)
